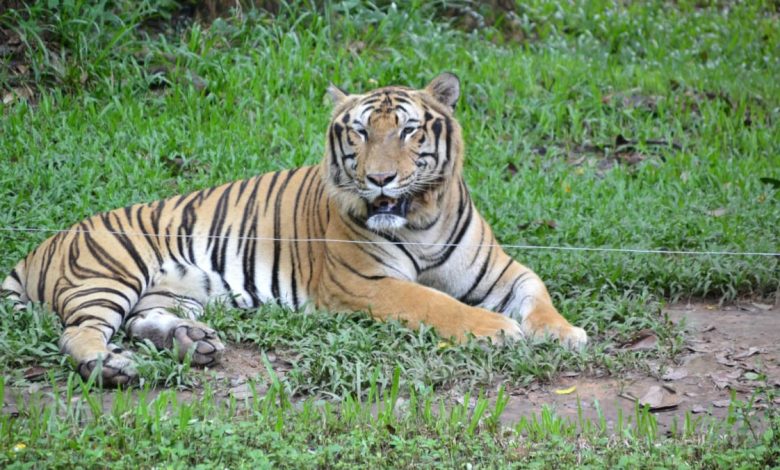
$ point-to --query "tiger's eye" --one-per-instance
(406, 131)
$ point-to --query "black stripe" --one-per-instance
(271, 185)
(448, 137)
(48, 259)
(311, 205)
(215, 241)
(335, 281)
(456, 234)
(118, 233)
(353, 270)
(249, 216)
(505, 301)
(275, 292)
(90, 291)
(295, 255)
(492, 286)
(479, 277)
(396, 242)
(114, 267)
(78, 317)
(186, 228)
(150, 236)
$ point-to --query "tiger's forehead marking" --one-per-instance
(386, 103)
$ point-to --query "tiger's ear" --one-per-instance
(337, 94)
(445, 88)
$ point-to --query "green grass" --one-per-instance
(75, 427)
(132, 104)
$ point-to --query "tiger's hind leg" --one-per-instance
(154, 318)
(91, 317)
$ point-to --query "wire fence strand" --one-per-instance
(406, 243)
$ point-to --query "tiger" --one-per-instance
(384, 224)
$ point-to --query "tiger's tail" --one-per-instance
(13, 287)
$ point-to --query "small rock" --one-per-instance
(675, 374)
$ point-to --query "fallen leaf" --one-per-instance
(576, 159)
(761, 306)
(644, 340)
(719, 212)
(565, 391)
(356, 47)
(751, 351)
(721, 403)
(723, 358)
(547, 223)
(631, 158)
(724, 379)
(675, 374)
(698, 348)
(707, 328)
(658, 400)
(751, 376)
(34, 372)
(17, 93)
(241, 392)
(11, 411)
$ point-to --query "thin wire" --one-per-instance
(368, 242)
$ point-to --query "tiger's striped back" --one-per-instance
(251, 241)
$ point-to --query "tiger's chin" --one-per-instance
(385, 223)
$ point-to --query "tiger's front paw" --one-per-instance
(575, 338)
(572, 337)
(114, 368)
(194, 336)
(499, 329)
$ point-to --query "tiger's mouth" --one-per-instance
(387, 213)
(385, 205)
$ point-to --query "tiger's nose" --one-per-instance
(381, 179)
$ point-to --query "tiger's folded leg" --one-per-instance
(153, 318)
(416, 304)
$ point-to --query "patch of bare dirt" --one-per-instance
(734, 348)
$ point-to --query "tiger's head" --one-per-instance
(393, 152)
